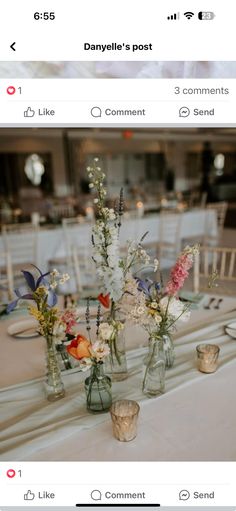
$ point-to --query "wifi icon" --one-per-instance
(189, 15)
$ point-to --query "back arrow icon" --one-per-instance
(13, 46)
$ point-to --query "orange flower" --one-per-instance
(79, 348)
(104, 300)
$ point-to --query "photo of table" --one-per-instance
(194, 420)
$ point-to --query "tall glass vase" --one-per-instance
(98, 389)
(54, 386)
(116, 363)
(154, 374)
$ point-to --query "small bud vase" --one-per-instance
(54, 386)
(98, 389)
(154, 375)
(116, 363)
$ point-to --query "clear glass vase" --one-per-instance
(65, 361)
(154, 375)
(116, 363)
(98, 389)
(168, 350)
(54, 386)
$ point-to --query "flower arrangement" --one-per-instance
(154, 306)
(53, 324)
(157, 309)
(112, 268)
(91, 355)
(41, 290)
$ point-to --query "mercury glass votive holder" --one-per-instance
(124, 416)
(207, 355)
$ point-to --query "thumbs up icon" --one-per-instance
(29, 112)
(29, 495)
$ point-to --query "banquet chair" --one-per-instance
(85, 273)
(20, 241)
(6, 277)
(220, 209)
(169, 242)
(215, 270)
(59, 211)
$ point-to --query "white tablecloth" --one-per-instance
(52, 243)
(195, 420)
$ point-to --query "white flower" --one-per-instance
(154, 305)
(59, 331)
(54, 273)
(175, 308)
(91, 185)
(106, 331)
(100, 350)
(95, 201)
(64, 278)
(53, 285)
(157, 319)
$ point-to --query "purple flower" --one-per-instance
(33, 284)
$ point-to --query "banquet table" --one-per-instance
(52, 243)
(194, 420)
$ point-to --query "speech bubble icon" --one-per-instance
(184, 111)
(96, 495)
(96, 111)
(184, 495)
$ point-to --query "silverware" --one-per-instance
(217, 306)
(208, 306)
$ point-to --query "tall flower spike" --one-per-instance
(87, 316)
(98, 319)
(121, 206)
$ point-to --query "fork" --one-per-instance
(208, 306)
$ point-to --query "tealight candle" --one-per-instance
(207, 357)
(140, 209)
(89, 213)
(124, 415)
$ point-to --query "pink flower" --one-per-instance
(180, 271)
(70, 318)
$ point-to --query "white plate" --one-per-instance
(25, 329)
(231, 329)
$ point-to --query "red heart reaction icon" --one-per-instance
(11, 473)
(11, 90)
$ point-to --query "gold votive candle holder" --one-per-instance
(207, 355)
(124, 416)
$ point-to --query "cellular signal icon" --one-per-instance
(174, 16)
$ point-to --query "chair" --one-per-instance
(221, 209)
(85, 273)
(6, 277)
(197, 199)
(169, 244)
(59, 211)
(218, 263)
(20, 241)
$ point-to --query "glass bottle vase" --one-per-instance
(65, 361)
(54, 386)
(116, 362)
(168, 350)
(98, 389)
(154, 375)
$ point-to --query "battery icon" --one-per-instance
(206, 15)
